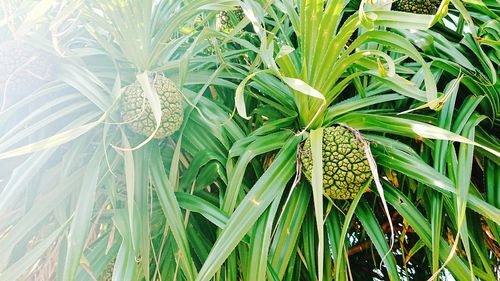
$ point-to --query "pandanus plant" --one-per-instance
(341, 80)
(359, 151)
(80, 204)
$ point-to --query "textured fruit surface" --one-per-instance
(23, 69)
(138, 115)
(107, 274)
(345, 166)
(227, 19)
(425, 7)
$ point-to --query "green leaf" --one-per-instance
(172, 211)
(260, 240)
(265, 190)
(258, 146)
(288, 229)
(423, 229)
(203, 207)
(21, 266)
(362, 121)
(82, 215)
(370, 224)
(316, 137)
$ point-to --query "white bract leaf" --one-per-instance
(303, 87)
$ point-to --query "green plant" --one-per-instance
(228, 19)
(310, 75)
(224, 197)
(88, 181)
(138, 113)
(426, 7)
(24, 69)
(345, 167)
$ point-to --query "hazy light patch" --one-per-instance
(255, 202)
(439, 183)
(427, 132)
(420, 40)
(253, 19)
(447, 275)
(257, 28)
(250, 15)
(453, 24)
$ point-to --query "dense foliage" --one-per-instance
(284, 104)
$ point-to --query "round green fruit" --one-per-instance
(23, 69)
(107, 274)
(345, 166)
(425, 7)
(227, 19)
(137, 112)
